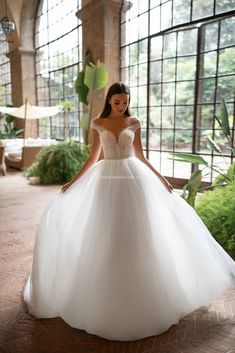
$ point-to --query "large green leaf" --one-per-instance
(213, 145)
(187, 157)
(231, 173)
(96, 76)
(81, 88)
(84, 122)
(224, 118)
(193, 186)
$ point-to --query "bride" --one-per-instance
(117, 252)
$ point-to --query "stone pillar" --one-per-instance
(23, 84)
(101, 38)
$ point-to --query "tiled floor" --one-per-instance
(207, 330)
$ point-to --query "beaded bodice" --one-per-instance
(117, 147)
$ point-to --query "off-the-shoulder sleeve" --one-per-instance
(95, 126)
(136, 124)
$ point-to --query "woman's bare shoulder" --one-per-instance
(135, 120)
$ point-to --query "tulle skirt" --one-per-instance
(119, 256)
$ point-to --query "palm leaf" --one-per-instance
(213, 145)
(224, 118)
(187, 157)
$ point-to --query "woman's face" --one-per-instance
(119, 103)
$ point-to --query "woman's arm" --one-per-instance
(140, 155)
(92, 159)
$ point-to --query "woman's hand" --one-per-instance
(168, 186)
(66, 186)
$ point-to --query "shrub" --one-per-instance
(217, 210)
(57, 164)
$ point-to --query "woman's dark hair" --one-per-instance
(115, 88)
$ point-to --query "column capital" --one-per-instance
(88, 10)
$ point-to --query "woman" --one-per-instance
(118, 253)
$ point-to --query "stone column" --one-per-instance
(23, 84)
(101, 38)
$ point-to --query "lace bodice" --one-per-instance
(117, 148)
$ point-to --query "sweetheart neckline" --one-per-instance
(111, 132)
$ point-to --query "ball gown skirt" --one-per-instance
(119, 256)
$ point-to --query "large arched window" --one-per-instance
(58, 44)
(5, 75)
(5, 78)
(179, 59)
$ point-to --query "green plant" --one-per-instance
(67, 106)
(225, 177)
(57, 164)
(93, 78)
(217, 210)
(10, 131)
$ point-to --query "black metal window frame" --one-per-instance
(5, 75)
(198, 25)
(54, 86)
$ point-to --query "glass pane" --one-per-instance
(227, 61)
(168, 117)
(154, 139)
(133, 32)
(182, 170)
(183, 140)
(166, 15)
(166, 164)
(154, 3)
(154, 20)
(124, 57)
(209, 61)
(133, 75)
(143, 6)
(227, 32)
(169, 70)
(224, 5)
(203, 141)
(186, 68)
(185, 92)
(210, 32)
(187, 42)
(155, 117)
(156, 48)
(168, 94)
(134, 97)
(169, 45)
(207, 90)
(154, 158)
(202, 8)
(142, 115)
(184, 116)
(167, 140)
(181, 11)
(155, 71)
(205, 120)
(225, 88)
(133, 50)
(155, 94)
(143, 26)
(143, 74)
(142, 102)
(143, 51)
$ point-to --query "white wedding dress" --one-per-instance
(118, 255)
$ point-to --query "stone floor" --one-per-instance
(207, 330)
